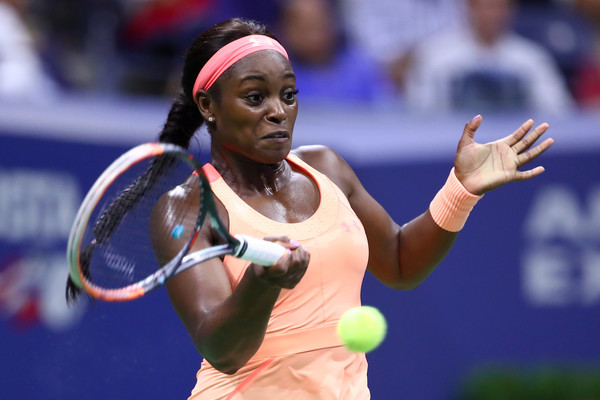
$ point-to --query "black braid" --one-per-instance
(183, 120)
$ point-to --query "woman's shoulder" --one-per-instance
(328, 162)
(315, 154)
(322, 158)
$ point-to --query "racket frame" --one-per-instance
(241, 246)
(107, 178)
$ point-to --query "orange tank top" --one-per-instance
(305, 318)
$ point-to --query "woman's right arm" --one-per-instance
(227, 326)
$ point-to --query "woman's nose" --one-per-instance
(277, 112)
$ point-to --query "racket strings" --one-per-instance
(119, 251)
(129, 197)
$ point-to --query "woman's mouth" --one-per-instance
(277, 135)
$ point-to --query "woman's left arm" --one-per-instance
(403, 256)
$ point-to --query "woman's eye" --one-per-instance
(290, 95)
(254, 98)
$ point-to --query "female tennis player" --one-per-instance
(269, 333)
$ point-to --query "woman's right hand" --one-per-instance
(290, 268)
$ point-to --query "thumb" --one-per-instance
(469, 131)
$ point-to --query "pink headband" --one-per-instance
(230, 54)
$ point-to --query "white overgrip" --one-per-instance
(259, 251)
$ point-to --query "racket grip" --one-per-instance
(259, 251)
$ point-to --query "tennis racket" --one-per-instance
(110, 251)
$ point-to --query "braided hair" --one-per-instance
(183, 120)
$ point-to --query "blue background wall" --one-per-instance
(521, 287)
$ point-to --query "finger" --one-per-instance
(469, 132)
(301, 256)
(530, 139)
(472, 126)
(277, 238)
(298, 264)
(281, 266)
(287, 255)
(283, 240)
(531, 173)
(532, 154)
(517, 135)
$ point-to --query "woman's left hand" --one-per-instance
(485, 167)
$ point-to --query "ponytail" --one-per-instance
(183, 121)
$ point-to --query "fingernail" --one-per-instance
(476, 117)
(294, 242)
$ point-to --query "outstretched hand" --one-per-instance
(485, 167)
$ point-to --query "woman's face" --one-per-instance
(256, 114)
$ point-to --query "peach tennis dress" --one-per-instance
(301, 357)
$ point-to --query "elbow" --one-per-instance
(410, 280)
(219, 355)
(226, 353)
(405, 285)
(228, 367)
(399, 281)
(404, 282)
(226, 362)
(230, 371)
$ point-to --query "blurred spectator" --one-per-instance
(558, 26)
(153, 40)
(387, 30)
(484, 65)
(327, 69)
(587, 79)
(22, 74)
(155, 19)
(264, 11)
(77, 41)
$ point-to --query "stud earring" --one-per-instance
(211, 119)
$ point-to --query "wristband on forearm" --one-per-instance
(452, 205)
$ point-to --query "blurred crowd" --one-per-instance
(426, 56)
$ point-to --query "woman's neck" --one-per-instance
(247, 177)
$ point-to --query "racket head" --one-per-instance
(110, 251)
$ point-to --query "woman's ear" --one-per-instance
(205, 104)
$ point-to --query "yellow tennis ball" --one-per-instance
(362, 329)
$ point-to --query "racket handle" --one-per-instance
(259, 251)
